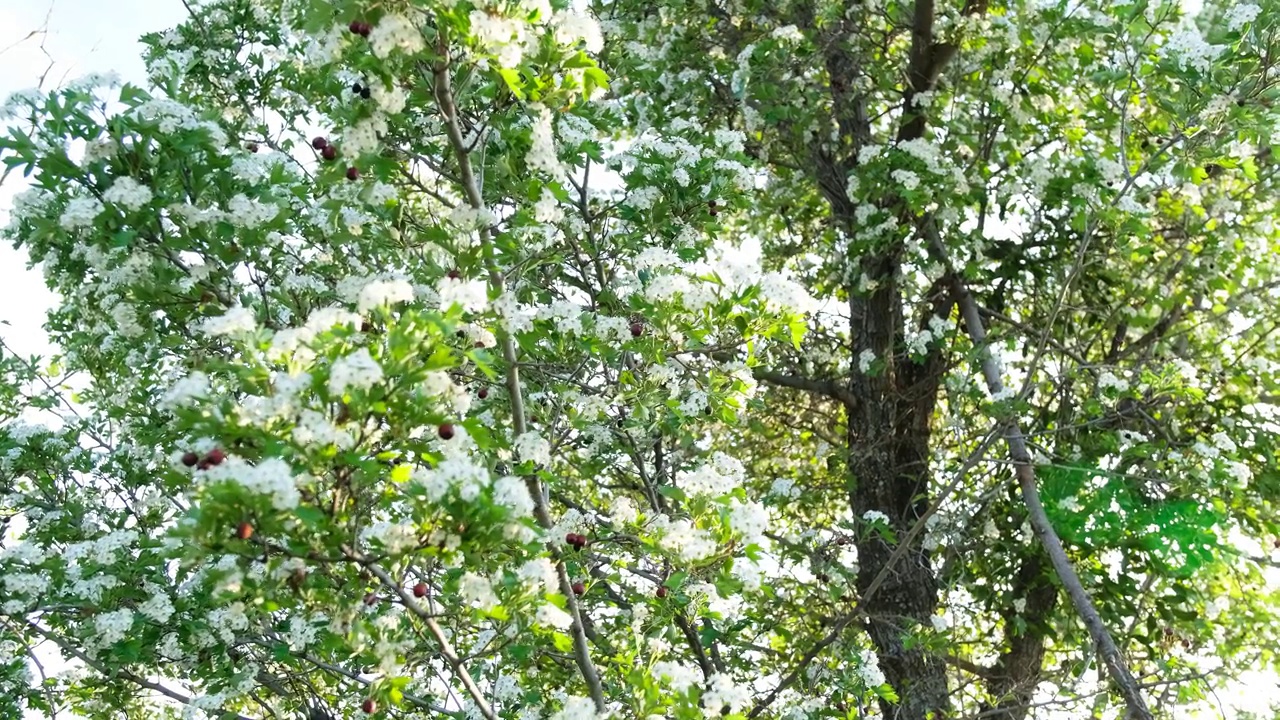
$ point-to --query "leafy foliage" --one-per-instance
(519, 360)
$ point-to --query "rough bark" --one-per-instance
(1013, 680)
(889, 428)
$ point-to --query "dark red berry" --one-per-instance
(360, 28)
(445, 431)
(454, 274)
(637, 329)
(251, 147)
(215, 457)
(712, 212)
(366, 93)
(369, 706)
(572, 539)
(711, 204)
(329, 152)
(483, 393)
(190, 459)
(353, 173)
(319, 143)
(244, 531)
(662, 591)
(420, 590)
(579, 588)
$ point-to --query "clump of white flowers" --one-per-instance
(500, 36)
(314, 429)
(540, 573)
(395, 32)
(235, 321)
(868, 669)
(112, 627)
(685, 539)
(186, 390)
(470, 295)
(397, 538)
(383, 292)
(272, 477)
(1190, 50)
(553, 617)
(293, 342)
(512, 493)
(128, 193)
(717, 477)
(576, 708)
(573, 27)
(750, 519)
(679, 676)
(875, 517)
(531, 446)
(357, 370)
(1241, 14)
(1108, 381)
(80, 212)
(158, 607)
(724, 694)
(542, 150)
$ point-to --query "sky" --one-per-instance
(64, 39)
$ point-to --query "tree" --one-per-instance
(670, 359)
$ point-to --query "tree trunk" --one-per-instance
(889, 433)
(1014, 678)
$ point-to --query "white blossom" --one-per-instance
(383, 292)
(357, 370)
(236, 321)
(128, 193)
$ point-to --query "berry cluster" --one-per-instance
(213, 458)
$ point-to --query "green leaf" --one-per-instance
(512, 79)
(309, 515)
(797, 332)
(593, 78)
(672, 492)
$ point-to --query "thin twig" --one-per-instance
(446, 648)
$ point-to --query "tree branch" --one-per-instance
(121, 673)
(446, 648)
(821, 387)
(444, 98)
(1025, 472)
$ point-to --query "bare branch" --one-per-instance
(1025, 472)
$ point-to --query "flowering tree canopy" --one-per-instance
(641, 359)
